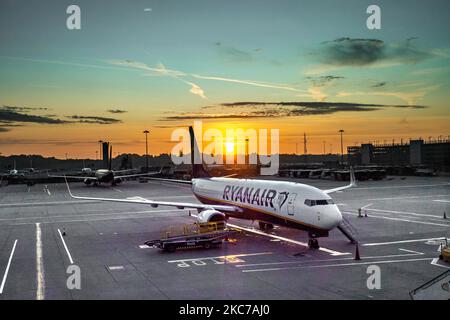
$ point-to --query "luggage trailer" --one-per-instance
(198, 235)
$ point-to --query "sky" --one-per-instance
(298, 66)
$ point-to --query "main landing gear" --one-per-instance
(265, 226)
(313, 243)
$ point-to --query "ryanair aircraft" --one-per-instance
(270, 202)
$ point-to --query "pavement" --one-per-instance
(45, 235)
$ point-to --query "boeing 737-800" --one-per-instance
(270, 202)
(105, 175)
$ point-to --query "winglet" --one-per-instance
(352, 178)
(68, 188)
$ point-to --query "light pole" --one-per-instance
(146, 150)
(100, 149)
(342, 147)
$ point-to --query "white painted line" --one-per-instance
(404, 220)
(331, 252)
(338, 265)
(406, 212)
(116, 267)
(48, 203)
(118, 190)
(327, 260)
(442, 200)
(367, 205)
(94, 214)
(398, 187)
(65, 247)
(411, 251)
(5, 275)
(40, 279)
(401, 241)
(222, 257)
(409, 197)
(434, 262)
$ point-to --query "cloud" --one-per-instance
(195, 88)
(94, 119)
(163, 71)
(246, 109)
(361, 52)
(321, 81)
(8, 116)
(379, 84)
(22, 109)
(250, 82)
(115, 111)
(408, 97)
(233, 54)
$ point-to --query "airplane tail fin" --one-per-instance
(198, 171)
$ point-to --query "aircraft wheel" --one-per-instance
(313, 244)
(170, 248)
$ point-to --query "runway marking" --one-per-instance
(401, 241)
(331, 252)
(5, 275)
(413, 186)
(410, 197)
(116, 267)
(65, 247)
(434, 262)
(40, 279)
(411, 251)
(441, 200)
(405, 212)
(404, 220)
(339, 265)
(92, 214)
(328, 260)
(234, 258)
(118, 190)
(49, 203)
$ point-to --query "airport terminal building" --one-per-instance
(432, 154)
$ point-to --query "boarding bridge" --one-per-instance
(348, 230)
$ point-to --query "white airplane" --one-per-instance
(105, 175)
(283, 203)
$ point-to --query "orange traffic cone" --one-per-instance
(357, 257)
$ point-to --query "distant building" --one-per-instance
(433, 154)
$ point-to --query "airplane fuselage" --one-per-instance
(104, 176)
(285, 203)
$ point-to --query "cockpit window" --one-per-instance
(312, 203)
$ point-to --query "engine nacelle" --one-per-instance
(211, 215)
(87, 181)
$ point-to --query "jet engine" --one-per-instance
(211, 215)
(87, 181)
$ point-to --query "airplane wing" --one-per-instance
(136, 175)
(352, 184)
(76, 177)
(154, 204)
(171, 180)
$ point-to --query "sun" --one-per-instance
(229, 146)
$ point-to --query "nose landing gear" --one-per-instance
(313, 243)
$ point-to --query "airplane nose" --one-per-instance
(334, 217)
